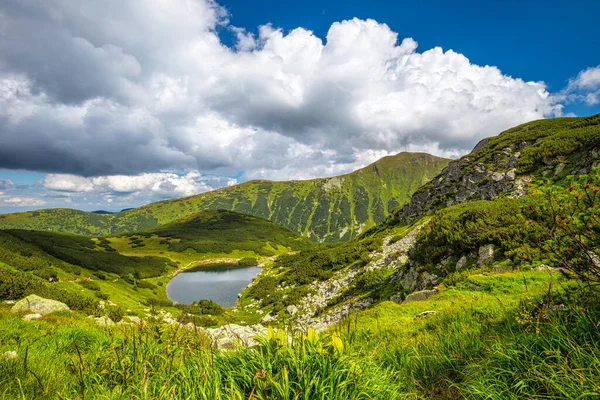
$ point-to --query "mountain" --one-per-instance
(493, 208)
(326, 209)
(506, 165)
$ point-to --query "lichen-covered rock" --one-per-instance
(486, 255)
(38, 305)
(232, 336)
(292, 310)
(104, 321)
(461, 262)
(10, 355)
(420, 295)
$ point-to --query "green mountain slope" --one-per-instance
(492, 208)
(327, 209)
(507, 164)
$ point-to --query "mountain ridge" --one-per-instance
(337, 208)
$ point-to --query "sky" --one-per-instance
(114, 104)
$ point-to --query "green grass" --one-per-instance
(501, 340)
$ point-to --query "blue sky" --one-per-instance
(548, 40)
(150, 102)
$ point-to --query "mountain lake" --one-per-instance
(219, 284)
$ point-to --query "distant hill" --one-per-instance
(325, 209)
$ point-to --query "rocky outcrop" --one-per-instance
(393, 255)
(467, 179)
(38, 305)
(31, 317)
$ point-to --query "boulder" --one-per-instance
(461, 262)
(486, 255)
(268, 318)
(543, 267)
(501, 268)
(39, 305)
(30, 317)
(420, 295)
(132, 319)
(559, 168)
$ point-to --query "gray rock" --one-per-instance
(30, 317)
(502, 268)
(511, 175)
(559, 168)
(420, 295)
(497, 176)
(292, 310)
(425, 314)
(268, 318)
(543, 267)
(486, 255)
(39, 305)
(461, 262)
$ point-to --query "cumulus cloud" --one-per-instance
(149, 184)
(585, 87)
(128, 87)
(20, 201)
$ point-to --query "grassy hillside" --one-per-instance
(131, 270)
(329, 209)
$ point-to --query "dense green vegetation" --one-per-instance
(331, 209)
(224, 232)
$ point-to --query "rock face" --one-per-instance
(466, 179)
(39, 305)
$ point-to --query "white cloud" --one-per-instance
(20, 201)
(157, 184)
(585, 87)
(589, 78)
(151, 88)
